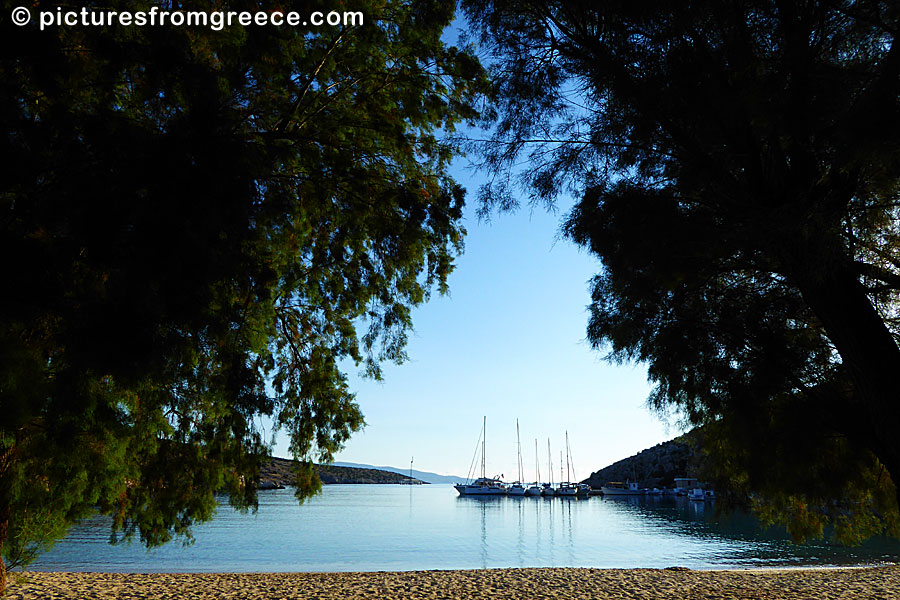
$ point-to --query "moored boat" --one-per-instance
(516, 488)
(618, 488)
(701, 495)
(483, 486)
(547, 488)
(566, 488)
(535, 488)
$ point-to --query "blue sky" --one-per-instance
(508, 342)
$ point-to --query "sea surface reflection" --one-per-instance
(384, 527)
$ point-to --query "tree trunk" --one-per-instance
(868, 352)
(4, 528)
(6, 457)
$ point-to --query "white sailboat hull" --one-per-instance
(618, 492)
(566, 490)
(621, 489)
(483, 486)
(477, 490)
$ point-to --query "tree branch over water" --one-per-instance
(182, 267)
(730, 144)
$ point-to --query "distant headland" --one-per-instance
(277, 473)
(657, 466)
(426, 476)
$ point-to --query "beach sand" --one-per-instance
(881, 583)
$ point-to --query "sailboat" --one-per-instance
(566, 488)
(483, 486)
(535, 488)
(582, 490)
(516, 488)
(548, 487)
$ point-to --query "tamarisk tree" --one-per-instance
(200, 228)
(736, 166)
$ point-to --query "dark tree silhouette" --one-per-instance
(194, 225)
(737, 165)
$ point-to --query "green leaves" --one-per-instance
(734, 187)
(208, 225)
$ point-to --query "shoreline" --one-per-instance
(558, 583)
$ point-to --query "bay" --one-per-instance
(397, 528)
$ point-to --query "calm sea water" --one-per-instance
(389, 527)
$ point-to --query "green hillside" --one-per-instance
(278, 473)
(657, 466)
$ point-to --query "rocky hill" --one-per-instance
(426, 476)
(278, 474)
(657, 466)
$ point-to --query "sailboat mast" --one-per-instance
(568, 473)
(570, 458)
(483, 444)
(519, 450)
(537, 466)
(549, 461)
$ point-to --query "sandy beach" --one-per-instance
(556, 583)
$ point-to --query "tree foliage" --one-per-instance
(737, 168)
(200, 228)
